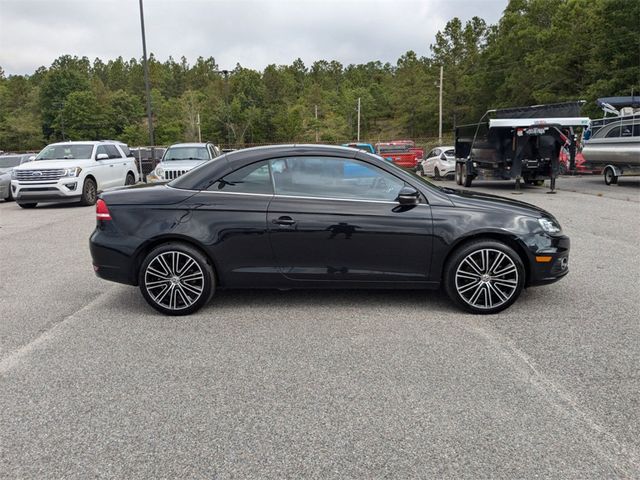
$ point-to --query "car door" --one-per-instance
(336, 219)
(117, 166)
(103, 170)
(229, 219)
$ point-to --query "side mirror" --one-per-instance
(408, 196)
(102, 156)
(31, 158)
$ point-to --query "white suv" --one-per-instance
(179, 158)
(73, 172)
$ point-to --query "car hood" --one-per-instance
(46, 164)
(466, 198)
(180, 164)
(145, 194)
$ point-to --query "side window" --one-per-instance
(613, 133)
(100, 150)
(125, 150)
(436, 152)
(254, 178)
(333, 178)
(112, 151)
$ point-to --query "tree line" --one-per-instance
(540, 51)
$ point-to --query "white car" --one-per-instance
(73, 172)
(179, 158)
(440, 162)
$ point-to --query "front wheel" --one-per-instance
(610, 177)
(176, 279)
(89, 192)
(436, 173)
(485, 276)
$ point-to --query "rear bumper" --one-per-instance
(109, 261)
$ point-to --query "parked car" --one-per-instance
(398, 153)
(307, 216)
(179, 158)
(417, 151)
(72, 172)
(367, 147)
(440, 162)
(7, 164)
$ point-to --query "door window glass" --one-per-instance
(254, 178)
(333, 178)
(112, 151)
(100, 150)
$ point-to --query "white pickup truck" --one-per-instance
(73, 172)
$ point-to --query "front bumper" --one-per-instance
(550, 263)
(68, 189)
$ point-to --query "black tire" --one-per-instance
(502, 289)
(89, 192)
(436, 173)
(130, 180)
(27, 205)
(464, 177)
(610, 177)
(10, 197)
(190, 295)
(458, 174)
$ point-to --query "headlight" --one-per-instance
(549, 225)
(159, 172)
(72, 172)
(14, 175)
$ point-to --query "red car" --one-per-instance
(400, 153)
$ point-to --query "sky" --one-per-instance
(252, 33)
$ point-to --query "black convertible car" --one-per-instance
(309, 216)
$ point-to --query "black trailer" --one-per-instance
(521, 144)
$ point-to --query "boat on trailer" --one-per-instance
(612, 144)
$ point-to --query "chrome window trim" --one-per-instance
(288, 196)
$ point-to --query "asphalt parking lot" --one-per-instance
(329, 384)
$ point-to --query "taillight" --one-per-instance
(102, 211)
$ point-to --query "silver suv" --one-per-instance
(179, 158)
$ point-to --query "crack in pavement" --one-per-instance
(605, 443)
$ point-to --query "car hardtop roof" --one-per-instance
(190, 144)
(293, 148)
(88, 142)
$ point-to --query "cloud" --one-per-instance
(252, 33)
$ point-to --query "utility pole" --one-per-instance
(226, 101)
(199, 133)
(146, 80)
(440, 112)
(358, 118)
(317, 124)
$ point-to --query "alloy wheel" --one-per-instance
(174, 280)
(486, 278)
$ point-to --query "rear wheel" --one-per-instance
(89, 192)
(465, 177)
(176, 279)
(28, 205)
(484, 276)
(610, 177)
(130, 180)
(458, 174)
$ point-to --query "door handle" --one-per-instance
(285, 220)
(112, 165)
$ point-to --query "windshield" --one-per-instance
(186, 153)
(63, 152)
(10, 161)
